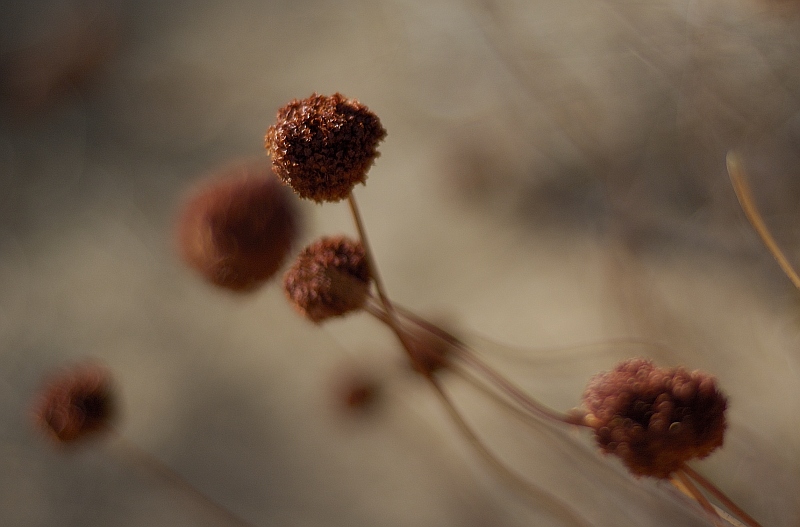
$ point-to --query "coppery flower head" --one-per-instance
(322, 146)
(329, 278)
(654, 418)
(76, 402)
(237, 230)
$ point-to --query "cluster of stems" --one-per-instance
(654, 419)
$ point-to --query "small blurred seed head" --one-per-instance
(653, 418)
(329, 278)
(237, 230)
(427, 352)
(322, 146)
(357, 392)
(76, 402)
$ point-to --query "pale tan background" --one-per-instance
(553, 174)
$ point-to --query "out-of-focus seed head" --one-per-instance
(76, 402)
(328, 279)
(427, 353)
(323, 145)
(357, 392)
(237, 229)
(654, 418)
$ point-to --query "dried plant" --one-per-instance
(654, 419)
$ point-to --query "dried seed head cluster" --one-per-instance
(653, 418)
(237, 230)
(75, 403)
(329, 278)
(322, 146)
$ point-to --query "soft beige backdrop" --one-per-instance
(553, 175)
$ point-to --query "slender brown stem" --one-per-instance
(391, 319)
(373, 267)
(718, 494)
(555, 504)
(139, 457)
(525, 401)
(517, 394)
(698, 497)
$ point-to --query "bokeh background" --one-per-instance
(553, 175)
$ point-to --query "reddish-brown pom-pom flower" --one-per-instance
(653, 418)
(75, 403)
(322, 146)
(329, 278)
(237, 230)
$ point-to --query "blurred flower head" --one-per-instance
(75, 402)
(655, 419)
(237, 230)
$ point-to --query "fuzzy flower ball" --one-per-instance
(77, 402)
(329, 278)
(323, 145)
(655, 419)
(237, 229)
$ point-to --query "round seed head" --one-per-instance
(323, 145)
(237, 230)
(654, 418)
(77, 402)
(329, 278)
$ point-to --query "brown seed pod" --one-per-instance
(323, 145)
(237, 230)
(329, 278)
(653, 418)
(76, 402)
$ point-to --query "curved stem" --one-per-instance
(138, 456)
(502, 384)
(745, 197)
(557, 506)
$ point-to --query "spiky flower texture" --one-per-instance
(329, 278)
(655, 419)
(322, 146)
(75, 403)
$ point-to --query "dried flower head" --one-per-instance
(237, 230)
(653, 418)
(329, 278)
(75, 403)
(322, 146)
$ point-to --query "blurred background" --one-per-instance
(554, 174)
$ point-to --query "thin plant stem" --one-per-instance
(392, 319)
(719, 495)
(745, 197)
(556, 505)
(695, 493)
(139, 457)
(517, 394)
(496, 379)
(373, 267)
